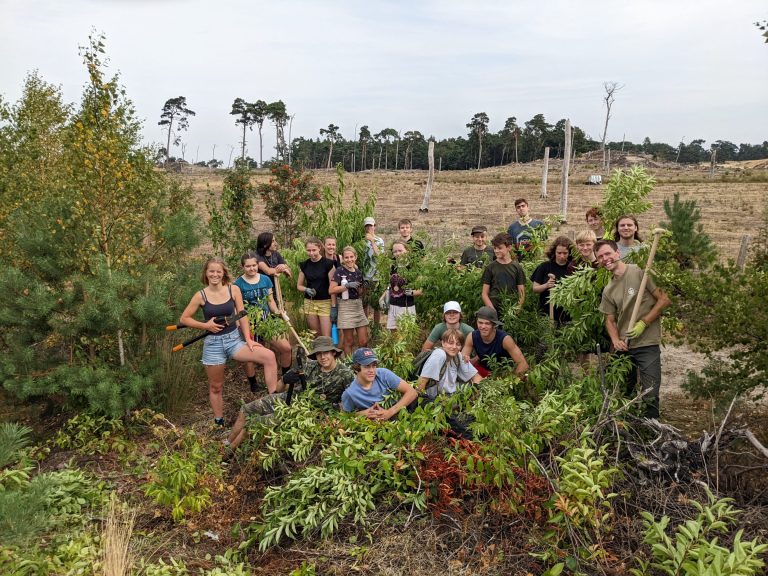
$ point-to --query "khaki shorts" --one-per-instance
(316, 307)
(351, 314)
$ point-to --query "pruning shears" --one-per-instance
(223, 321)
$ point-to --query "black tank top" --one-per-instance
(225, 309)
(494, 348)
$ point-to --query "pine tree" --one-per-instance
(689, 246)
(93, 259)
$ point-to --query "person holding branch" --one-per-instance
(632, 304)
(256, 290)
(220, 297)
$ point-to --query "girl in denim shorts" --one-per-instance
(221, 298)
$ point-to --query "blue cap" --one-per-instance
(364, 357)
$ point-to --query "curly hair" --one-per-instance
(559, 241)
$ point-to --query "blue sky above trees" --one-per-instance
(691, 69)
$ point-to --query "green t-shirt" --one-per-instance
(437, 332)
(619, 299)
(503, 278)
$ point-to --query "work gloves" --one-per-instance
(310, 292)
(354, 285)
(334, 314)
(638, 329)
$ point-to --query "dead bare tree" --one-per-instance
(430, 178)
(610, 90)
(545, 172)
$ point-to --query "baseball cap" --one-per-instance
(478, 230)
(369, 221)
(488, 313)
(452, 306)
(364, 357)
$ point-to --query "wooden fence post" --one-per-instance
(430, 178)
(566, 167)
(741, 261)
(544, 174)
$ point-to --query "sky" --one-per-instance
(689, 68)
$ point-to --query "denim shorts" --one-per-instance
(217, 349)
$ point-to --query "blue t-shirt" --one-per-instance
(355, 397)
(256, 294)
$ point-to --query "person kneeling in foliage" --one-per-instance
(324, 374)
(445, 367)
(372, 385)
(492, 345)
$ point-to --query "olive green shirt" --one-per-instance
(619, 299)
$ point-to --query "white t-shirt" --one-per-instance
(448, 384)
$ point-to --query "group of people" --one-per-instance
(336, 292)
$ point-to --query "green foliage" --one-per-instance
(626, 193)
(270, 328)
(579, 294)
(305, 570)
(441, 282)
(358, 462)
(181, 479)
(694, 550)
(53, 500)
(396, 349)
(736, 320)
(92, 231)
(339, 216)
(92, 434)
(581, 497)
(689, 246)
(287, 195)
(73, 552)
(229, 220)
(759, 259)
(14, 438)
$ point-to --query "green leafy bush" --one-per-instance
(694, 550)
(182, 479)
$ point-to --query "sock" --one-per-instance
(252, 382)
(218, 420)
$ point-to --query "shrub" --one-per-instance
(287, 195)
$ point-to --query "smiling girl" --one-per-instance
(220, 298)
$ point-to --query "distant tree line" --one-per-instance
(392, 149)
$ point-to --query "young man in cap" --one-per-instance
(324, 374)
(479, 254)
(451, 319)
(641, 341)
(488, 342)
(522, 230)
(372, 385)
